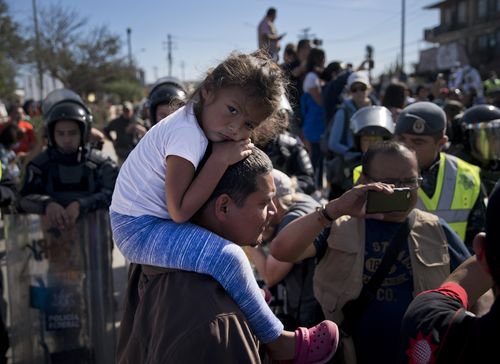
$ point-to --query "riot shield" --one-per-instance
(60, 290)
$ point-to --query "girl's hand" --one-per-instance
(232, 152)
(353, 202)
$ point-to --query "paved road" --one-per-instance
(119, 262)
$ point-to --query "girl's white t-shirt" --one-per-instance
(140, 186)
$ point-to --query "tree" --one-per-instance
(83, 60)
(12, 49)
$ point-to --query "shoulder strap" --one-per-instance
(352, 309)
(347, 121)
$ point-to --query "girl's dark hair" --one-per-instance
(261, 79)
(315, 58)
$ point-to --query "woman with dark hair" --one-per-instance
(311, 106)
(395, 98)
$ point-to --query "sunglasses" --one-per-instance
(358, 88)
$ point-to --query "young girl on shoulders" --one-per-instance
(158, 190)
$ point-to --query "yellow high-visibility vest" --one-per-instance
(356, 173)
(457, 188)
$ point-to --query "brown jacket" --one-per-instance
(182, 317)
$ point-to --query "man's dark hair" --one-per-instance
(387, 147)
(10, 135)
(271, 12)
(240, 179)
(303, 43)
(395, 95)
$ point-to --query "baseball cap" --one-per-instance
(359, 77)
(283, 183)
(421, 118)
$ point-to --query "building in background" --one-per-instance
(468, 33)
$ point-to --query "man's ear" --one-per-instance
(222, 204)
(479, 248)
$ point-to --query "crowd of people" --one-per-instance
(242, 209)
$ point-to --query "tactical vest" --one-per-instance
(68, 182)
(457, 188)
(339, 275)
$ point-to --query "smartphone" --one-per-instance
(379, 202)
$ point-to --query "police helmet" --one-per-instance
(64, 104)
(481, 124)
(165, 91)
(373, 120)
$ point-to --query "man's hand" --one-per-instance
(57, 215)
(73, 211)
(232, 152)
(136, 129)
(353, 202)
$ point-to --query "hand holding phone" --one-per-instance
(380, 202)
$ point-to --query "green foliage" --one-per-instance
(84, 59)
(125, 89)
(12, 48)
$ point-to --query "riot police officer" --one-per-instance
(480, 126)
(167, 95)
(369, 125)
(68, 178)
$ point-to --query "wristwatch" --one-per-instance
(322, 210)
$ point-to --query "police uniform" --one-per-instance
(54, 176)
(451, 187)
(84, 175)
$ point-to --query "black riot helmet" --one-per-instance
(167, 90)
(64, 104)
(481, 125)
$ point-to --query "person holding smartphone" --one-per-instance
(357, 244)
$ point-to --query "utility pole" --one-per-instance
(37, 50)
(129, 42)
(369, 59)
(183, 67)
(169, 54)
(403, 15)
(305, 33)
(155, 72)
